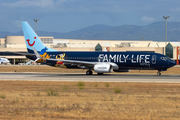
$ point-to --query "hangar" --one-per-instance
(17, 44)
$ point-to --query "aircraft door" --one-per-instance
(154, 59)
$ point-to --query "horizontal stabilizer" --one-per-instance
(28, 62)
(36, 59)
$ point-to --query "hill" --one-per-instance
(154, 31)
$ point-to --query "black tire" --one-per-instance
(158, 73)
(89, 72)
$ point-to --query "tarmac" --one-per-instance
(90, 78)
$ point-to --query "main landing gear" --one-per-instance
(89, 72)
(159, 73)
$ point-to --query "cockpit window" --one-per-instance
(164, 58)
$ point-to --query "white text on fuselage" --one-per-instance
(122, 58)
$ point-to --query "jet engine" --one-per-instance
(103, 68)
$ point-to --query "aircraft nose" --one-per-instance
(172, 63)
(175, 63)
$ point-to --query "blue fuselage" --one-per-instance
(124, 60)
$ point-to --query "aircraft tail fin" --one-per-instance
(32, 40)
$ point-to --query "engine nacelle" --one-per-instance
(103, 68)
(122, 70)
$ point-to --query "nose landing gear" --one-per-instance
(159, 73)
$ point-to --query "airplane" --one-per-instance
(4, 61)
(99, 62)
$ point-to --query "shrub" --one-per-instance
(65, 87)
(80, 83)
(96, 85)
(81, 87)
(51, 92)
(107, 84)
(117, 90)
(2, 96)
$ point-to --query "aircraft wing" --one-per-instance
(83, 63)
(75, 62)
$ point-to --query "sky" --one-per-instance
(69, 15)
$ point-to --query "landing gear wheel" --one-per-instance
(158, 73)
(100, 73)
(89, 72)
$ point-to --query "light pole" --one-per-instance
(36, 20)
(166, 17)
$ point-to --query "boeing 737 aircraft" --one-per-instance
(4, 61)
(99, 62)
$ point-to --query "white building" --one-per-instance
(17, 44)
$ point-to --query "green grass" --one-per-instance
(81, 85)
(107, 84)
(65, 88)
(117, 90)
(51, 92)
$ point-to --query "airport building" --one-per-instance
(11, 44)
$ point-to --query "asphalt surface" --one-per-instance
(90, 78)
